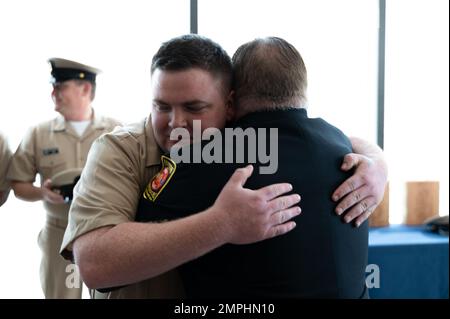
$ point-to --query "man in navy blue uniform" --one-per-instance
(323, 256)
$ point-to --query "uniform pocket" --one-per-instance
(50, 165)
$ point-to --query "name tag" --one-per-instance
(50, 151)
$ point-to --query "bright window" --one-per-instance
(337, 40)
(416, 100)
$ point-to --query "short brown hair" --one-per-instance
(268, 73)
(194, 51)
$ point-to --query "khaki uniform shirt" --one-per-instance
(52, 147)
(118, 169)
(5, 157)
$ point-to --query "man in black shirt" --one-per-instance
(323, 256)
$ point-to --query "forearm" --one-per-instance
(132, 252)
(26, 191)
(363, 147)
(374, 152)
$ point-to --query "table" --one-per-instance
(412, 263)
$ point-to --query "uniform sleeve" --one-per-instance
(108, 191)
(111, 124)
(115, 123)
(23, 163)
(5, 157)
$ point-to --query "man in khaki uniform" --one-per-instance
(129, 158)
(5, 157)
(119, 168)
(50, 149)
(111, 249)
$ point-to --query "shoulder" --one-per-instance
(129, 139)
(329, 127)
(41, 129)
(45, 125)
(109, 122)
(3, 139)
(319, 136)
(134, 131)
(323, 129)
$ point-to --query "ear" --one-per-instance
(87, 88)
(230, 107)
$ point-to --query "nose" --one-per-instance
(178, 119)
(55, 92)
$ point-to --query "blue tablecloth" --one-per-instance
(412, 262)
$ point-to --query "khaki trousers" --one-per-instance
(60, 278)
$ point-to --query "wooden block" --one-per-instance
(380, 217)
(422, 201)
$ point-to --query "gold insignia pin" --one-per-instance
(81, 75)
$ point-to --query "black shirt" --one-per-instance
(322, 257)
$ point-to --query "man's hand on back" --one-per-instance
(254, 215)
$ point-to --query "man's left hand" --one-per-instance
(360, 194)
